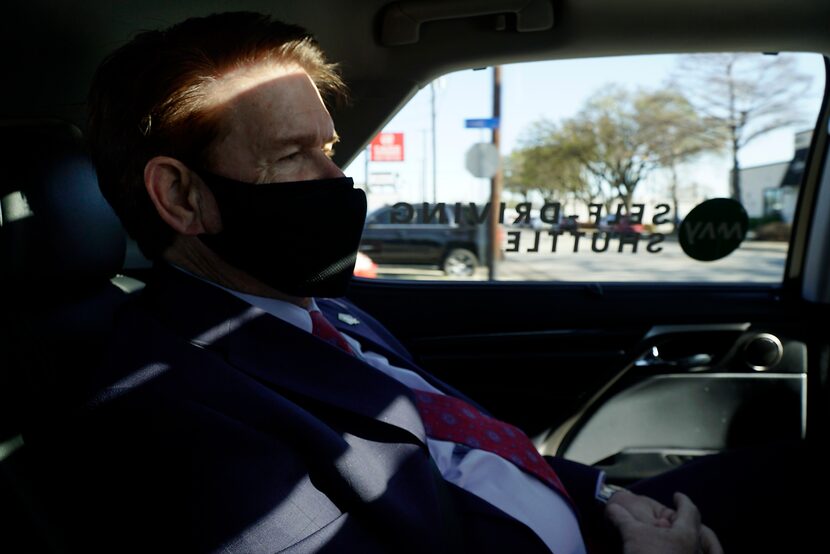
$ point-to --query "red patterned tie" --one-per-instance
(450, 419)
(322, 329)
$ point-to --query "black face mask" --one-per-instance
(300, 238)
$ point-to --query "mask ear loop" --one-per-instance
(145, 126)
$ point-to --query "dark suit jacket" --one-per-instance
(217, 427)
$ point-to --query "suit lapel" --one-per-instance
(297, 361)
(277, 353)
(347, 321)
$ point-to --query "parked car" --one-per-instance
(613, 224)
(437, 240)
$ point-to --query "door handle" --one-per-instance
(694, 362)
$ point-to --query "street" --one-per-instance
(757, 262)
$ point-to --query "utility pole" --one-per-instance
(434, 158)
(495, 183)
(366, 166)
(424, 187)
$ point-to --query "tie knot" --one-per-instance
(324, 330)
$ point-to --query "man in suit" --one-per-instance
(244, 406)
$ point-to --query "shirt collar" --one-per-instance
(290, 313)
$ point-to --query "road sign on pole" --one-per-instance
(482, 123)
(482, 160)
(387, 147)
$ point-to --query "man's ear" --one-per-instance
(178, 195)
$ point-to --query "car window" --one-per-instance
(639, 168)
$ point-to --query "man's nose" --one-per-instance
(330, 170)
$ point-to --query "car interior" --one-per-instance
(594, 367)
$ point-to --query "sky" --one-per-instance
(552, 90)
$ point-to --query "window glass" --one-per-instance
(645, 168)
(382, 216)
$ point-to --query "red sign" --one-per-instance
(387, 147)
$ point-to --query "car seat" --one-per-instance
(61, 248)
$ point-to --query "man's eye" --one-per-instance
(291, 157)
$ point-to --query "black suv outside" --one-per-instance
(424, 235)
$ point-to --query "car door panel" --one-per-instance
(562, 361)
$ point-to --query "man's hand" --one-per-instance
(648, 527)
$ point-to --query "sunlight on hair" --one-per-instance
(237, 82)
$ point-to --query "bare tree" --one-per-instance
(679, 133)
(744, 95)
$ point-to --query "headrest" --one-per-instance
(55, 226)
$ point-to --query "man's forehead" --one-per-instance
(275, 103)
